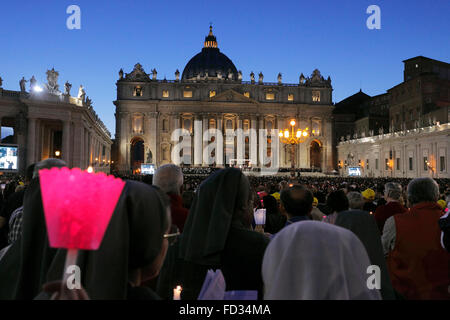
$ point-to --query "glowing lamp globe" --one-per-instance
(292, 122)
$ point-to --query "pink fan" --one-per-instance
(78, 206)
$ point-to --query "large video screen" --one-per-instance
(147, 168)
(8, 158)
(354, 171)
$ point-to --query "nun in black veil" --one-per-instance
(132, 250)
(217, 235)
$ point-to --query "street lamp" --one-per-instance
(293, 138)
(57, 153)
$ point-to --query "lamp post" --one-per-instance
(293, 138)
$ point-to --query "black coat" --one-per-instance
(132, 240)
(241, 266)
(217, 235)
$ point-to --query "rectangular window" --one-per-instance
(410, 163)
(367, 163)
(387, 163)
(442, 163)
(270, 96)
(425, 163)
(165, 93)
(398, 163)
(376, 164)
(290, 97)
(316, 96)
(187, 94)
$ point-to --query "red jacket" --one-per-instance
(386, 211)
(179, 213)
(419, 267)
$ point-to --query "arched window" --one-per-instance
(229, 124)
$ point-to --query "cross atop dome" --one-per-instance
(210, 40)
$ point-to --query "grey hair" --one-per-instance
(169, 178)
(393, 190)
(355, 200)
(422, 190)
(47, 164)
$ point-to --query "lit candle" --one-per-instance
(177, 293)
(260, 216)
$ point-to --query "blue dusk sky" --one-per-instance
(290, 37)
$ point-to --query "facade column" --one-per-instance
(329, 152)
(31, 141)
(198, 141)
(254, 142)
(240, 142)
(219, 148)
(280, 126)
(205, 126)
(153, 144)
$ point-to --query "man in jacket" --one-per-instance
(392, 194)
(418, 265)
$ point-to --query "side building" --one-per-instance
(44, 122)
(416, 142)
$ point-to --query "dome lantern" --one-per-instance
(210, 39)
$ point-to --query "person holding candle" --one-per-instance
(132, 250)
(275, 221)
(217, 235)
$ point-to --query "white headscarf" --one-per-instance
(312, 260)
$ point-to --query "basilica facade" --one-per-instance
(211, 93)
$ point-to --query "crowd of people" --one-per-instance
(322, 238)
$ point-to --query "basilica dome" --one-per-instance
(210, 61)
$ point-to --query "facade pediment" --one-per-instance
(231, 96)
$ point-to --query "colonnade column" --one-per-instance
(31, 141)
(66, 145)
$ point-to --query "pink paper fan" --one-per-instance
(78, 206)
